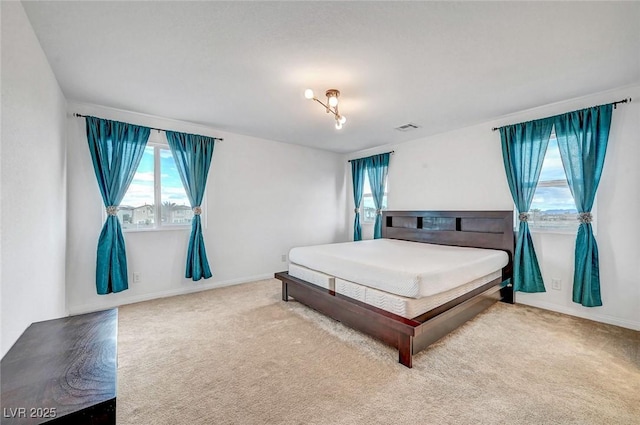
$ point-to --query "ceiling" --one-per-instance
(242, 67)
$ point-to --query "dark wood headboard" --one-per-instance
(478, 229)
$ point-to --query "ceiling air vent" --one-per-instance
(407, 127)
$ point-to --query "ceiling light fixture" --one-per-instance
(330, 106)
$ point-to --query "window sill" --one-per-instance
(554, 232)
(551, 232)
(162, 229)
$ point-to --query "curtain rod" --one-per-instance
(615, 104)
(151, 128)
(391, 153)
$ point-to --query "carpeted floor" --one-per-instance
(239, 355)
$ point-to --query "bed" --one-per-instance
(373, 286)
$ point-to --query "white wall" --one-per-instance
(463, 170)
(33, 181)
(263, 198)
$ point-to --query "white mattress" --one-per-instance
(403, 306)
(351, 290)
(312, 276)
(408, 269)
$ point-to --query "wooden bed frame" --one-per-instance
(481, 229)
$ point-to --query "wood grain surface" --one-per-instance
(62, 371)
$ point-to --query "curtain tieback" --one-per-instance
(523, 216)
(197, 210)
(378, 212)
(356, 210)
(112, 210)
(585, 217)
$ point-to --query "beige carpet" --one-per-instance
(239, 355)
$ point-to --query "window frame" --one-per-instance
(561, 183)
(370, 195)
(159, 144)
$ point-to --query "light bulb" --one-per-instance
(308, 93)
(342, 119)
(333, 101)
(338, 125)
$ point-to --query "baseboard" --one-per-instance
(603, 318)
(89, 308)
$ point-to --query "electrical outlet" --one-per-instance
(136, 277)
(283, 258)
(556, 284)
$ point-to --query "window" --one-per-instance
(368, 207)
(553, 209)
(156, 199)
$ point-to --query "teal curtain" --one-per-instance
(116, 150)
(377, 167)
(357, 175)
(193, 154)
(523, 148)
(582, 139)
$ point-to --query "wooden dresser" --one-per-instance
(62, 371)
